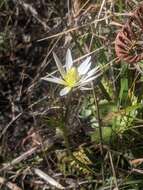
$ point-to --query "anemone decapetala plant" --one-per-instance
(73, 77)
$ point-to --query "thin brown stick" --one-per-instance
(17, 160)
(113, 170)
(84, 25)
(10, 185)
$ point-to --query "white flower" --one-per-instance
(72, 76)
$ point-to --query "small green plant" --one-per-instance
(3, 42)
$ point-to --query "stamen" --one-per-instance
(71, 77)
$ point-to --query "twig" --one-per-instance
(102, 5)
(10, 123)
(17, 160)
(48, 179)
(9, 184)
(84, 25)
(113, 170)
(47, 144)
(137, 170)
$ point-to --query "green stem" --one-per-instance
(100, 131)
(66, 139)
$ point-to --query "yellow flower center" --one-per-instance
(71, 77)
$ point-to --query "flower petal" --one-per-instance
(89, 74)
(85, 66)
(85, 88)
(54, 80)
(69, 61)
(59, 65)
(85, 82)
(92, 72)
(65, 91)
